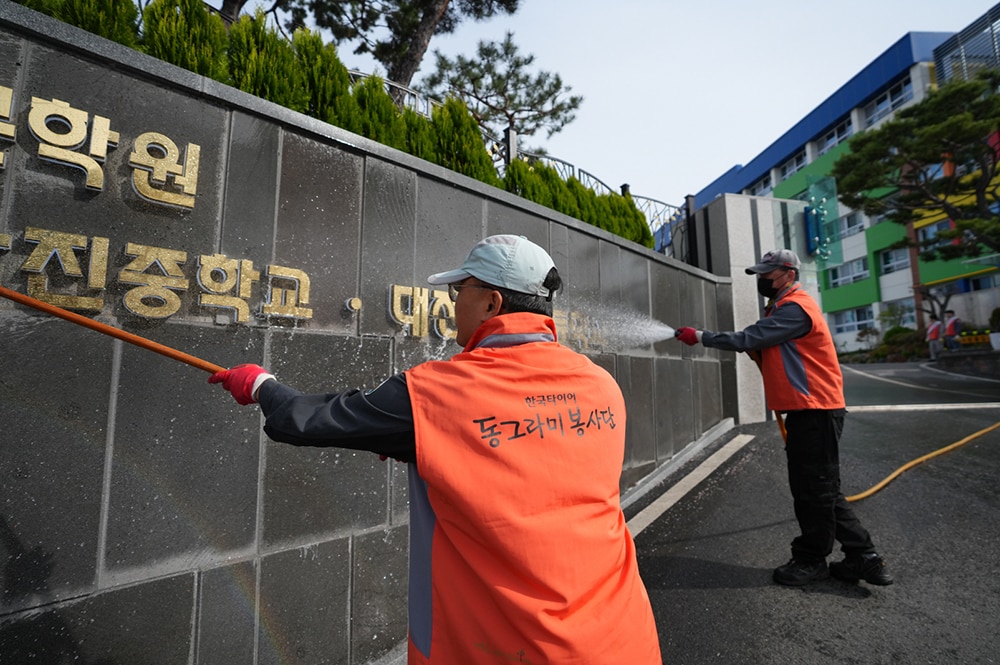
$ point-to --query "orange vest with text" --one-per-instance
(803, 373)
(519, 548)
(934, 331)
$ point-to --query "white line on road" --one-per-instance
(905, 384)
(922, 407)
(652, 512)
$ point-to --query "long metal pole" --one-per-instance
(104, 328)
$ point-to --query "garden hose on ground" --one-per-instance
(892, 476)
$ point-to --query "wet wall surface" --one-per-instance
(144, 518)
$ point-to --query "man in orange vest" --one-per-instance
(802, 379)
(952, 328)
(934, 336)
(519, 550)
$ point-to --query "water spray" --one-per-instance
(111, 331)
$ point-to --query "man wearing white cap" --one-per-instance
(802, 379)
(518, 546)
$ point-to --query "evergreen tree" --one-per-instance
(420, 139)
(501, 93)
(327, 81)
(395, 32)
(460, 144)
(184, 33)
(117, 20)
(262, 63)
(380, 118)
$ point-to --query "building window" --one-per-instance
(984, 282)
(835, 136)
(848, 273)
(898, 313)
(792, 165)
(762, 187)
(927, 235)
(888, 101)
(893, 260)
(850, 224)
(853, 320)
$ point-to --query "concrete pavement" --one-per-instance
(707, 558)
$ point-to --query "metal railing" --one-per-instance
(664, 219)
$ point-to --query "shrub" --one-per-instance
(897, 333)
(380, 118)
(420, 139)
(328, 84)
(263, 64)
(184, 33)
(117, 20)
(460, 145)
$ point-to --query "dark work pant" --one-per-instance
(812, 449)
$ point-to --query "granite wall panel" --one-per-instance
(183, 475)
(388, 242)
(312, 492)
(319, 225)
(304, 605)
(227, 604)
(54, 399)
(378, 599)
(635, 376)
(251, 182)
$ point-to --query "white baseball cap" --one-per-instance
(506, 261)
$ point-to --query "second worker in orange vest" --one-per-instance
(802, 379)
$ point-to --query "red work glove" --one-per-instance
(239, 381)
(687, 335)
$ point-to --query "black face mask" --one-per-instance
(765, 287)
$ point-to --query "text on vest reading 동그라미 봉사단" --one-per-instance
(495, 430)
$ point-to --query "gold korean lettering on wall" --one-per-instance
(154, 159)
(227, 284)
(162, 173)
(154, 297)
(289, 291)
(7, 129)
(422, 311)
(156, 277)
(63, 247)
(61, 130)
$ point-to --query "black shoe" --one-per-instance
(868, 567)
(797, 573)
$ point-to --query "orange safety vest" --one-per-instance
(803, 373)
(951, 327)
(934, 331)
(519, 548)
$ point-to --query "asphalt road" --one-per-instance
(707, 559)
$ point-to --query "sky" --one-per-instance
(677, 92)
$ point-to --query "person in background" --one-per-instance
(934, 336)
(519, 550)
(802, 379)
(952, 329)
